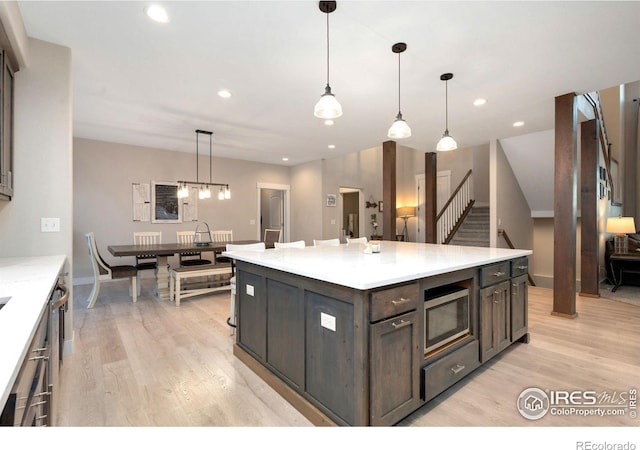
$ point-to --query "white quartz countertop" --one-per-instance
(348, 264)
(29, 282)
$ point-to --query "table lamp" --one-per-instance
(404, 213)
(621, 226)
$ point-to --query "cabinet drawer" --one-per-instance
(519, 267)
(390, 302)
(445, 372)
(495, 273)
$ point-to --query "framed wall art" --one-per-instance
(332, 200)
(166, 207)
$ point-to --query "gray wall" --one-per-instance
(306, 202)
(105, 171)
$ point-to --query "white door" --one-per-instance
(276, 219)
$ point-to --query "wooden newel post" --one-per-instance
(431, 197)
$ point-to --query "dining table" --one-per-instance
(163, 251)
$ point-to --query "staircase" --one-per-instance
(474, 231)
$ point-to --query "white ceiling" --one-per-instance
(149, 84)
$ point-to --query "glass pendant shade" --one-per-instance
(399, 129)
(227, 193)
(221, 194)
(327, 107)
(447, 143)
(183, 191)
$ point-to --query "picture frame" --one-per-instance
(166, 207)
(332, 200)
(380, 206)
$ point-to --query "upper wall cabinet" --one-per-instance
(6, 117)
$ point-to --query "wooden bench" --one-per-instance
(179, 291)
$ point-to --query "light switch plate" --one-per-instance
(49, 224)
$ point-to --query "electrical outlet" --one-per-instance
(252, 222)
(49, 224)
(328, 321)
(249, 290)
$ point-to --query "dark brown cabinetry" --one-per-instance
(6, 118)
(27, 402)
(396, 354)
(495, 320)
(374, 356)
(519, 299)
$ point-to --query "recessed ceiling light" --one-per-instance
(224, 93)
(519, 123)
(285, 159)
(157, 13)
(331, 146)
(328, 122)
(480, 101)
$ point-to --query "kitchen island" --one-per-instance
(355, 338)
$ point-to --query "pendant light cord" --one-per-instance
(327, 49)
(446, 106)
(197, 171)
(210, 163)
(399, 83)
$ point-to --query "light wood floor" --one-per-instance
(152, 364)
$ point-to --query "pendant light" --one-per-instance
(447, 142)
(400, 129)
(327, 107)
(204, 190)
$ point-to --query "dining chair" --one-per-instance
(219, 236)
(146, 262)
(189, 258)
(231, 320)
(360, 240)
(271, 236)
(326, 242)
(294, 244)
(104, 271)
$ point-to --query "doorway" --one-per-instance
(351, 213)
(273, 209)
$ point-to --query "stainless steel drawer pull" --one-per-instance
(522, 267)
(400, 301)
(498, 274)
(402, 323)
(35, 350)
(458, 368)
(35, 358)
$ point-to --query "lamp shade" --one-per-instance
(406, 211)
(446, 144)
(327, 107)
(400, 129)
(621, 225)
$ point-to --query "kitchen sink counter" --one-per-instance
(27, 282)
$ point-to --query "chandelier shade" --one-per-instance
(204, 187)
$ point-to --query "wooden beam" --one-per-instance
(565, 206)
(389, 190)
(589, 184)
(431, 197)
